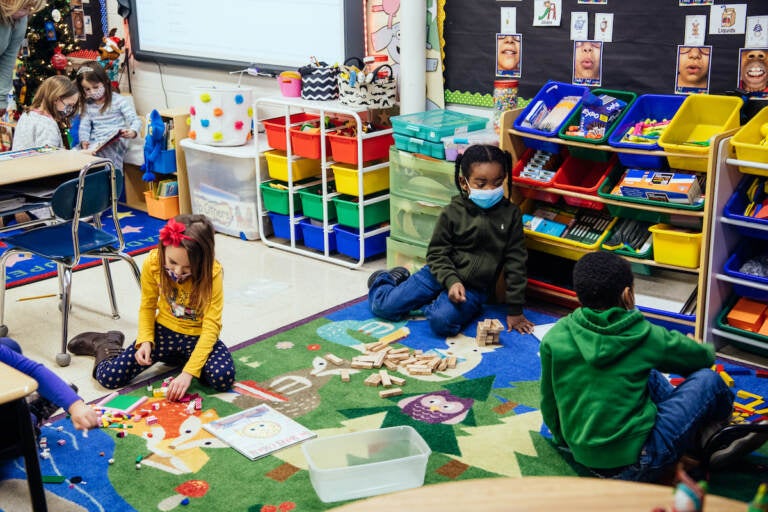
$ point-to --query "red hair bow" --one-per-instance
(173, 233)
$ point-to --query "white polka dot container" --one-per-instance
(221, 116)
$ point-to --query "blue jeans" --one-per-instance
(422, 291)
(702, 399)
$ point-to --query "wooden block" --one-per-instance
(365, 365)
(391, 365)
(397, 381)
(434, 363)
(345, 375)
(443, 365)
(365, 357)
(385, 380)
(409, 361)
(401, 350)
(379, 360)
(386, 393)
(331, 358)
(422, 357)
(373, 380)
(451, 361)
(397, 357)
(395, 335)
(419, 370)
(747, 314)
(727, 379)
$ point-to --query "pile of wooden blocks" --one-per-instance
(381, 354)
(488, 331)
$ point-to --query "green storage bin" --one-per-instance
(312, 202)
(413, 221)
(759, 344)
(575, 117)
(628, 211)
(348, 210)
(274, 193)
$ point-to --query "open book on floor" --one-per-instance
(258, 431)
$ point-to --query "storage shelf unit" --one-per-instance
(512, 140)
(724, 239)
(286, 107)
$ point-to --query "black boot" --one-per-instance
(399, 274)
(84, 344)
(106, 348)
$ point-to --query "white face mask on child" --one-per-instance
(96, 93)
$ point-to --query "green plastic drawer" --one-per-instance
(418, 177)
(413, 221)
(312, 202)
(274, 193)
(348, 210)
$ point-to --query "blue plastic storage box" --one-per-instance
(313, 236)
(550, 94)
(433, 125)
(747, 249)
(737, 203)
(647, 106)
(348, 242)
(281, 225)
(658, 319)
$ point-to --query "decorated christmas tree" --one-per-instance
(49, 39)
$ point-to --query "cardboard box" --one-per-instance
(664, 186)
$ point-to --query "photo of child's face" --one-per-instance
(508, 54)
(587, 62)
(753, 70)
(692, 68)
(78, 23)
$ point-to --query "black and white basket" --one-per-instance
(318, 82)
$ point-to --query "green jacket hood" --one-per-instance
(605, 336)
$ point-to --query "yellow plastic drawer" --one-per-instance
(676, 246)
(417, 177)
(404, 254)
(277, 165)
(413, 220)
(347, 179)
(747, 143)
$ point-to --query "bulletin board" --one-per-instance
(641, 58)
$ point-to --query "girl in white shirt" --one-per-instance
(42, 124)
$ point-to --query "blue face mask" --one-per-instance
(177, 278)
(486, 198)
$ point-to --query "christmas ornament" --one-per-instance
(58, 60)
(56, 15)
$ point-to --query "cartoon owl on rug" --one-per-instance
(437, 407)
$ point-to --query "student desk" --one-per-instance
(535, 494)
(42, 165)
(16, 386)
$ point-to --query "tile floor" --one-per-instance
(265, 288)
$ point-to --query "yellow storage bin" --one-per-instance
(419, 177)
(676, 246)
(699, 118)
(413, 221)
(563, 247)
(347, 183)
(747, 143)
(404, 254)
(277, 165)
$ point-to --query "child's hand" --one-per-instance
(128, 134)
(519, 323)
(178, 387)
(144, 354)
(457, 294)
(83, 416)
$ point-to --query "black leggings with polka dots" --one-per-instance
(172, 348)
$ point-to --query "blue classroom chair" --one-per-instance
(75, 232)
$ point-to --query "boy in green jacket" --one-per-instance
(603, 395)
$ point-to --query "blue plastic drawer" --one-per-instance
(747, 249)
(348, 242)
(647, 106)
(550, 94)
(737, 203)
(281, 225)
(671, 323)
(313, 236)
(433, 125)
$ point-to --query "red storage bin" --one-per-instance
(275, 128)
(344, 148)
(307, 143)
(533, 193)
(583, 176)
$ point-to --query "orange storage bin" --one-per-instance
(275, 128)
(307, 143)
(375, 147)
(161, 207)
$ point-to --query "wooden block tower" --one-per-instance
(488, 331)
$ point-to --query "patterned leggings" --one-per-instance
(171, 348)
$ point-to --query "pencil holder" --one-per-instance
(290, 84)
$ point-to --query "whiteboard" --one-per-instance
(273, 34)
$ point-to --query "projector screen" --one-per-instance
(272, 34)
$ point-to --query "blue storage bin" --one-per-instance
(166, 162)
(747, 249)
(670, 324)
(737, 203)
(313, 236)
(550, 94)
(348, 242)
(647, 106)
(281, 225)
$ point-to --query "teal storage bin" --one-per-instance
(433, 125)
(416, 145)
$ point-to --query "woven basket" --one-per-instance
(378, 90)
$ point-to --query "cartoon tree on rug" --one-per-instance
(49, 38)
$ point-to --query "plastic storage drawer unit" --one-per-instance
(418, 178)
(413, 221)
(222, 186)
(402, 254)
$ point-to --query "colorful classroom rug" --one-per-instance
(490, 425)
(139, 230)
